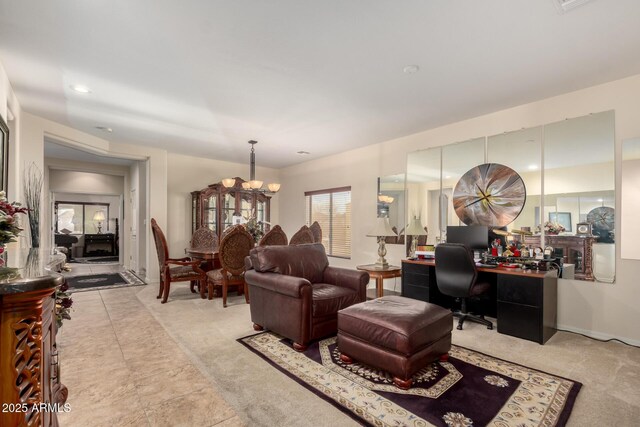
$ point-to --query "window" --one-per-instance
(332, 209)
(82, 218)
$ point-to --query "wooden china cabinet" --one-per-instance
(214, 206)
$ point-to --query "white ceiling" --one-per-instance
(203, 77)
(58, 151)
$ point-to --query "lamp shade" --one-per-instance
(229, 182)
(416, 228)
(274, 187)
(382, 228)
(255, 184)
(99, 216)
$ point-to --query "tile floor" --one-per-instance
(122, 369)
(129, 360)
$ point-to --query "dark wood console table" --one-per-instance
(524, 302)
(99, 245)
(29, 370)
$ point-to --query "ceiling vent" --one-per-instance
(567, 5)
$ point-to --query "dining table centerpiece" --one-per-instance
(254, 226)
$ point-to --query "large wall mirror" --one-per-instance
(423, 192)
(391, 204)
(579, 188)
(570, 190)
(630, 199)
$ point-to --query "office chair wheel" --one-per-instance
(459, 327)
(490, 327)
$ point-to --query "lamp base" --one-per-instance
(382, 251)
(382, 264)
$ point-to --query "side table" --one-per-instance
(380, 274)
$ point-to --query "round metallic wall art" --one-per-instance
(490, 194)
(602, 218)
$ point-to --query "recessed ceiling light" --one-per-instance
(447, 177)
(104, 128)
(410, 69)
(303, 153)
(533, 167)
(80, 88)
(600, 200)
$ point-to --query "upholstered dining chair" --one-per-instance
(234, 247)
(203, 239)
(456, 276)
(275, 236)
(304, 235)
(174, 269)
(317, 232)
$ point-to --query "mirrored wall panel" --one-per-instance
(630, 200)
(423, 192)
(578, 214)
(566, 197)
(457, 160)
(521, 151)
(391, 204)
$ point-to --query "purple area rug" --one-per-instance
(470, 389)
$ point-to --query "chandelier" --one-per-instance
(253, 184)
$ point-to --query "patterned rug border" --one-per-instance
(128, 275)
(562, 419)
(306, 385)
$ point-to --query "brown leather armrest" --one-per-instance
(275, 282)
(348, 278)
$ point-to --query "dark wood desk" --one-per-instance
(526, 301)
(380, 274)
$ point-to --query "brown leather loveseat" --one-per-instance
(295, 293)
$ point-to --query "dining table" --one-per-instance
(210, 261)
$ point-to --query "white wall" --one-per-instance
(599, 309)
(187, 174)
(630, 207)
(86, 182)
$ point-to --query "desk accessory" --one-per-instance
(583, 229)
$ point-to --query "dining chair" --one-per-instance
(275, 236)
(234, 247)
(203, 239)
(174, 269)
(304, 235)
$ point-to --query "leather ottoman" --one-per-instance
(399, 335)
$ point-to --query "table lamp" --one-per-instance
(381, 230)
(414, 230)
(99, 217)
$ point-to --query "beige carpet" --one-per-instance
(262, 396)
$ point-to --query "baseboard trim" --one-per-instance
(599, 335)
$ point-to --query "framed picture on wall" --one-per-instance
(4, 154)
(562, 218)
